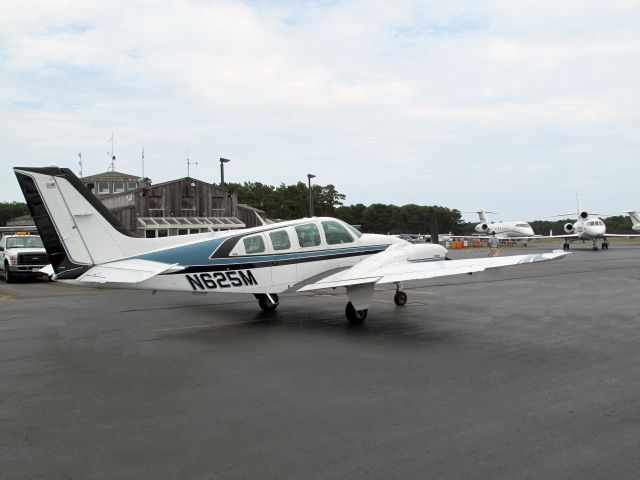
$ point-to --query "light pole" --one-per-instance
(222, 162)
(309, 177)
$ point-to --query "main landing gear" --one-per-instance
(565, 244)
(400, 298)
(357, 316)
(268, 301)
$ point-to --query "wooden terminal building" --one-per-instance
(176, 207)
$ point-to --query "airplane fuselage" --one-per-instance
(270, 259)
(589, 228)
(506, 229)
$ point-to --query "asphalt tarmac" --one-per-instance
(530, 372)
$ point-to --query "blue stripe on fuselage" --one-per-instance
(199, 254)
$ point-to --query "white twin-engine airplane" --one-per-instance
(88, 246)
(503, 230)
(591, 227)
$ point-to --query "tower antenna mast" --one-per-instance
(112, 167)
(189, 162)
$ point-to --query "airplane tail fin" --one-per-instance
(635, 216)
(77, 230)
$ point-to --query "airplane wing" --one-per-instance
(126, 271)
(407, 270)
(621, 235)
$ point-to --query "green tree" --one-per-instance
(10, 210)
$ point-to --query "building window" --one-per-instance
(92, 187)
(132, 185)
(150, 234)
(163, 232)
(103, 187)
(118, 187)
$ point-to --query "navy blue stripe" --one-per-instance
(264, 261)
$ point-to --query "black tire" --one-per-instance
(400, 298)
(354, 316)
(8, 276)
(266, 304)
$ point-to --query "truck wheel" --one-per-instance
(8, 277)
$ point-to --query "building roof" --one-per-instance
(110, 175)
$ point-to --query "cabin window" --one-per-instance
(103, 187)
(253, 244)
(336, 233)
(132, 185)
(308, 235)
(118, 187)
(280, 240)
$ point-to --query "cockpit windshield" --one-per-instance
(353, 230)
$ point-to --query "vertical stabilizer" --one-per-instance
(77, 230)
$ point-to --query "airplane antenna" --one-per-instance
(80, 163)
(189, 162)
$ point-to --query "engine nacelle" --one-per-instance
(568, 228)
(400, 253)
(584, 215)
(482, 228)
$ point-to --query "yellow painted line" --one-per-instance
(207, 325)
(6, 297)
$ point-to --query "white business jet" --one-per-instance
(503, 230)
(587, 227)
(88, 246)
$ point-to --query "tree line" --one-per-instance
(288, 202)
(11, 210)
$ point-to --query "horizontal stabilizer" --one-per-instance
(127, 271)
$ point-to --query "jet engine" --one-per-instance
(568, 227)
(584, 215)
(482, 227)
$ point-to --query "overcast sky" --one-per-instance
(510, 106)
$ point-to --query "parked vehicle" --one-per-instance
(22, 255)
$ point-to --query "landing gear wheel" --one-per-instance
(355, 316)
(400, 298)
(266, 304)
(595, 248)
(8, 277)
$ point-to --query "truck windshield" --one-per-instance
(24, 242)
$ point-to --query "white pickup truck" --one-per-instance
(22, 255)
